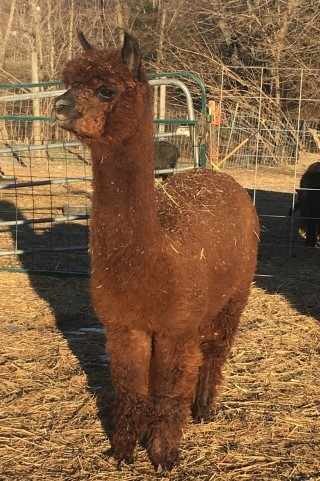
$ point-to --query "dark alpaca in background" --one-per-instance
(308, 203)
(166, 156)
(171, 267)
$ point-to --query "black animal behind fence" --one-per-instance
(166, 156)
(308, 204)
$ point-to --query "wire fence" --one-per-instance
(271, 130)
(45, 175)
(266, 143)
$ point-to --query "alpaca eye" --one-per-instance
(106, 93)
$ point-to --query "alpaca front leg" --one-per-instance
(130, 353)
(173, 376)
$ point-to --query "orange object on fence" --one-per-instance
(214, 112)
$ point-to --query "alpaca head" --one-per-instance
(107, 94)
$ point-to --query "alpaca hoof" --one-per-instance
(166, 462)
(117, 459)
(200, 413)
(124, 460)
(166, 465)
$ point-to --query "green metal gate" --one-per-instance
(45, 175)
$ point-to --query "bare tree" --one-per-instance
(196, 35)
(275, 34)
(5, 37)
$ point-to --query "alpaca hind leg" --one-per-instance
(130, 353)
(173, 377)
(215, 344)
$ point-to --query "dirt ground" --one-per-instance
(56, 394)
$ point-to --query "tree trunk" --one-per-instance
(5, 39)
(71, 30)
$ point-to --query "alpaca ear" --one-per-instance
(131, 54)
(84, 42)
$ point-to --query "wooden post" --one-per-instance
(36, 124)
(162, 107)
(214, 115)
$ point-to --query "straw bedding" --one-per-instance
(56, 395)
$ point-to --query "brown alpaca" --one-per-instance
(171, 267)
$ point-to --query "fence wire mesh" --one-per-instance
(266, 142)
(45, 176)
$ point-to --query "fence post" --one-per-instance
(36, 124)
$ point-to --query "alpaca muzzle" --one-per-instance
(64, 109)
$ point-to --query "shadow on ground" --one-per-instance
(68, 298)
(286, 265)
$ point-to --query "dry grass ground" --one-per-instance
(56, 395)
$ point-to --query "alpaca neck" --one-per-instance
(123, 204)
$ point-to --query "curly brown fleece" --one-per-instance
(171, 266)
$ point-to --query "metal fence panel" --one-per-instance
(45, 178)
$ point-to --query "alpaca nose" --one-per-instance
(64, 106)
